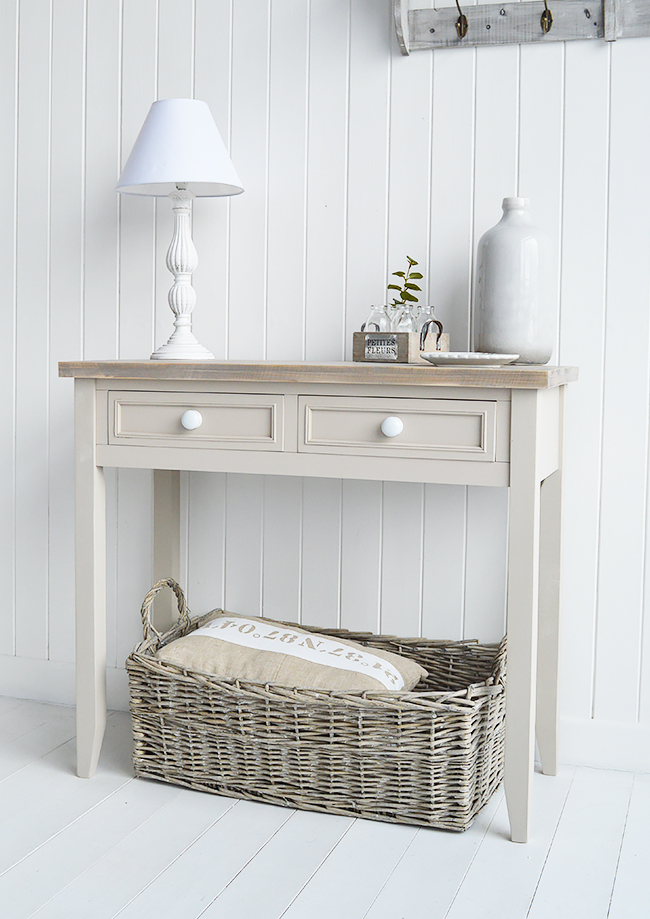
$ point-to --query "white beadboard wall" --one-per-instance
(352, 157)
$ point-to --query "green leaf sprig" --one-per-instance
(407, 287)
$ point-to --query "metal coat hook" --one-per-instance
(547, 19)
(462, 25)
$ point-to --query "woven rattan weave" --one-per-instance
(431, 757)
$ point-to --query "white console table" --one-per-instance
(461, 425)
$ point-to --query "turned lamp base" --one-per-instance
(182, 346)
(184, 353)
(199, 353)
(181, 261)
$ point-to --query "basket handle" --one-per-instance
(500, 670)
(148, 628)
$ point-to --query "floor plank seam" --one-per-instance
(472, 860)
(10, 699)
(394, 869)
(104, 855)
(174, 860)
(606, 769)
(26, 732)
(64, 828)
(550, 845)
(620, 849)
(41, 756)
(245, 865)
(317, 868)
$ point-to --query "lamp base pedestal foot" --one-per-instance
(185, 349)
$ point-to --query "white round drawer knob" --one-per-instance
(392, 426)
(191, 419)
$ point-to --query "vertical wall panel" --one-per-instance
(285, 320)
(137, 226)
(176, 35)
(485, 577)
(207, 537)
(244, 535)
(32, 365)
(443, 576)
(625, 414)
(248, 212)
(582, 342)
(452, 190)
(326, 227)
(8, 112)
(102, 168)
(361, 555)
(401, 576)
(66, 307)
(282, 541)
(321, 551)
(540, 144)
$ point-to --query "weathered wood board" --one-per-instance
(511, 376)
(401, 347)
(515, 23)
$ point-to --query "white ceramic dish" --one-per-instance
(477, 358)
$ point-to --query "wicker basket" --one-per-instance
(430, 757)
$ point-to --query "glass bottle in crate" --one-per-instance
(426, 313)
(406, 317)
(377, 321)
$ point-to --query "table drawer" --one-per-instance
(432, 428)
(234, 421)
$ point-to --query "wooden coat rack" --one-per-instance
(514, 23)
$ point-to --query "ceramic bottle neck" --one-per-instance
(515, 210)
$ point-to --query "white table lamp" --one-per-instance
(179, 153)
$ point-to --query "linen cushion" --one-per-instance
(235, 647)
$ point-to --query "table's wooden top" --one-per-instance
(511, 376)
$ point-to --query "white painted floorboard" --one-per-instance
(115, 846)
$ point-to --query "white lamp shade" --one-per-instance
(179, 144)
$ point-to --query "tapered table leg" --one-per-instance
(523, 586)
(549, 617)
(90, 583)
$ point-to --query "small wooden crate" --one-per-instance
(395, 347)
(430, 757)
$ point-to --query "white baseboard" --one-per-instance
(53, 681)
(602, 744)
(605, 744)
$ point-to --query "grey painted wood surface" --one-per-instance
(632, 18)
(505, 23)
(517, 23)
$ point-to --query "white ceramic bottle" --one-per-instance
(513, 307)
